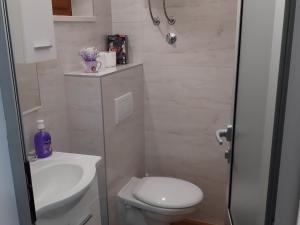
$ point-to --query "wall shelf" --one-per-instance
(106, 71)
(88, 19)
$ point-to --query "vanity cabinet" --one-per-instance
(85, 212)
(32, 30)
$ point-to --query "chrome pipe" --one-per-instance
(156, 20)
(171, 19)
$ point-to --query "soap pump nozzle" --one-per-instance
(40, 124)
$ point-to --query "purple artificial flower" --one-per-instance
(89, 54)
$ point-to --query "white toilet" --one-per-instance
(158, 200)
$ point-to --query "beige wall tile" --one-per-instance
(85, 120)
(85, 115)
(188, 90)
(28, 86)
(124, 143)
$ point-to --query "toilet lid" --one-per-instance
(165, 192)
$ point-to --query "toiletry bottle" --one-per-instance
(42, 141)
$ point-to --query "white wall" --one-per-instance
(8, 208)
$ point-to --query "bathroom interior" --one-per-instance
(153, 117)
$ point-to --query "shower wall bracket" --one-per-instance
(171, 19)
(155, 20)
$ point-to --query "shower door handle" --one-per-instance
(224, 133)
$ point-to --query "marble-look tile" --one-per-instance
(28, 86)
(82, 7)
(102, 10)
(85, 119)
(201, 86)
(184, 106)
(85, 115)
(124, 143)
(210, 58)
(52, 87)
(128, 11)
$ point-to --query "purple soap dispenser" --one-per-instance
(42, 141)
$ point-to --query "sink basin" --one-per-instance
(60, 180)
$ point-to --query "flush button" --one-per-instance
(123, 107)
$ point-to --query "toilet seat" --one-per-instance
(138, 212)
(166, 192)
(127, 198)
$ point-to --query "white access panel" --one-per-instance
(123, 107)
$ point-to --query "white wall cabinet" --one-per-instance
(32, 30)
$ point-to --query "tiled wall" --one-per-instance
(188, 90)
(53, 111)
(124, 143)
(85, 119)
(70, 38)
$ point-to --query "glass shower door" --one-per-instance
(258, 60)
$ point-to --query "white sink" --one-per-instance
(60, 180)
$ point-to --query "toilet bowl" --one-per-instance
(157, 200)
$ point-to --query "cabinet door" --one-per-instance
(62, 7)
(93, 216)
(95, 211)
(32, 30)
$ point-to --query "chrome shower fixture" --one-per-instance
(171, 19)
(155, 20)
(171, 38)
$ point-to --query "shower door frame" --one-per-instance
(280, 109)
(20, 165)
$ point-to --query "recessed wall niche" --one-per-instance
(82, 7)
(80, 10)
